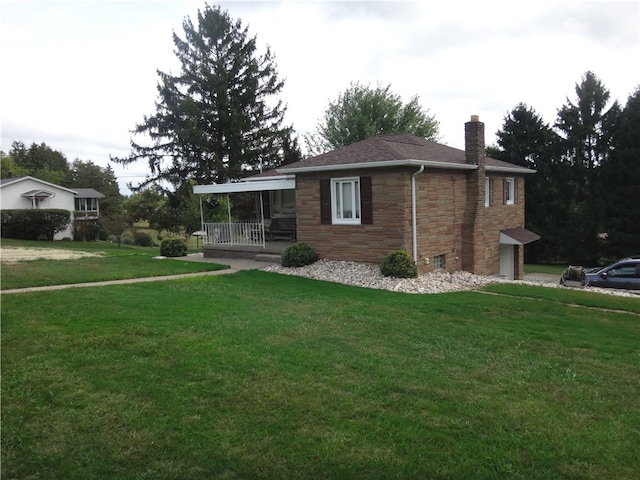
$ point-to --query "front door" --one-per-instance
(506, 261)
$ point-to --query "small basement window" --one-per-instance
(438, 262)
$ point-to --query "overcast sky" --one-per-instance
(79, 75)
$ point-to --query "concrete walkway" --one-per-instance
(235, 265)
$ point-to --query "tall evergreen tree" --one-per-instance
(41, 161)
(526, 140)
(587, 128)
(621, 184)
(361, 112)
(216, 120)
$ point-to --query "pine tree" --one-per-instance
(526, 140)
(587, 127)
(621, 184)
(216, 120)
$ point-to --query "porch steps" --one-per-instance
(270, 253)
(268, 257)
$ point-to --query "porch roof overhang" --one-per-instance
(247, 186)
(38, 194)
(517, 236)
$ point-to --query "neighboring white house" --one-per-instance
(30, 192)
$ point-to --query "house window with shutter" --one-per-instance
(346, 201)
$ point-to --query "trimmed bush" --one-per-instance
(34, 224)
(173, 247)
(398, 264)
(85, 231)
(143, 239)
(298, 255)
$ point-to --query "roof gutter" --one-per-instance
(382, 164)
(490, 168)
(413, 214)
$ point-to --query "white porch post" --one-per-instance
(229, 216)
(201, 215)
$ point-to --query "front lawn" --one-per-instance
(258, 376)
(113, 264)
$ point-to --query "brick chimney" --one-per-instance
(473, 228)
(474, 141)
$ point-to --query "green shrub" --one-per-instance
(143, 239)
(173, 247)
(298, 255)
(34, 224)
(85, 231)
(398, 264)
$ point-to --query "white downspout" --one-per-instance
(413, 214)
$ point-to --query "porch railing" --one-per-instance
(245, 232)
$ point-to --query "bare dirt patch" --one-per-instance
(17, 254)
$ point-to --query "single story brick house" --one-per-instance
(30, 192)
(450, 209)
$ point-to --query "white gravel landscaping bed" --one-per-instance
(369, 276)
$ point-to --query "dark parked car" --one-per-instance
(623, 274)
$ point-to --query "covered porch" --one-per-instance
(262, 236)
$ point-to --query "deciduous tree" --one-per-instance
(361, 112)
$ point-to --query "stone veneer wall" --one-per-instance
(440, 209)
(391, 228)
(441, 204)
(500, 217)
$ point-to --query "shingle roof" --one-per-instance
(87, 193)
(521, 235)
(393, 147)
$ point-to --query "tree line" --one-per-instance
(43, 162)
(219, 119)
(584, 200)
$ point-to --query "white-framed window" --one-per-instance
(509, 191)
(86, 204)
(345, 200)
(438, 262)
(283, 203)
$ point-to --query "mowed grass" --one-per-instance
(259, 376)
(113, 264)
